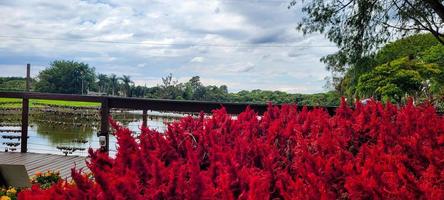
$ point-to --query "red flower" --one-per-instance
(370, 152)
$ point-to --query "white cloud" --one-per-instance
(197, 59)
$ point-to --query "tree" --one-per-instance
(126, 81)
(114, 81)
(103, 82)
(359, 27)
(435, 54)
(171, 89)
(412, 46)
(66, 77)
(398, 79)
(193, 89)
(138, 91)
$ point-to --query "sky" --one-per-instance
(244, 44)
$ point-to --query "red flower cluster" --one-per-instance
(371, 152)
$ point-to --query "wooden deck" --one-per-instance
(35, 162)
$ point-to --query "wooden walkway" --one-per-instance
(35, 162)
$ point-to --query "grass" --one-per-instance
(65, 103)
(16, 103)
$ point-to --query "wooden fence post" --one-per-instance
(24, 135)
(104, 124)
(28, 77)
(144, 117)
(25, 113)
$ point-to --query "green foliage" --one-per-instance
(103, 83)
(13, 84)
(66, 77)
(434, 54)
(260, 96)
(411, 46)
(126, 85)
(398, 79)
(330, 98)
(114, 82)
(195, 90)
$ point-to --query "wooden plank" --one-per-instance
(48, 166)
(16, 158)
(26, 159)
(42, 162)
(76, 161)
(77, 164)
(35, 161)
(58, 161)
(57, 164)
(64, 170)
(13, 156)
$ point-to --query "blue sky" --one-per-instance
(244, 44)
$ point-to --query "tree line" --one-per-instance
(71, 77)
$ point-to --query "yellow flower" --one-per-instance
(11, 192)
(5, 198)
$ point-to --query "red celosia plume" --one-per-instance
(369, 152)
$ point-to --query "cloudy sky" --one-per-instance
(244, 44)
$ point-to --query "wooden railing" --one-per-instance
(108, 102)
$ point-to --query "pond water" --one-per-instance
(59, 132)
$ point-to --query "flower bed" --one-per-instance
(39, 180)
(8, 193)
(371, 152)
(46, 180)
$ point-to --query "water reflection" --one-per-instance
(50, 131)
(63, 129)
(62, 134)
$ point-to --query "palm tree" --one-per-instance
(126, 80)
(103, 82)
(114, 83)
